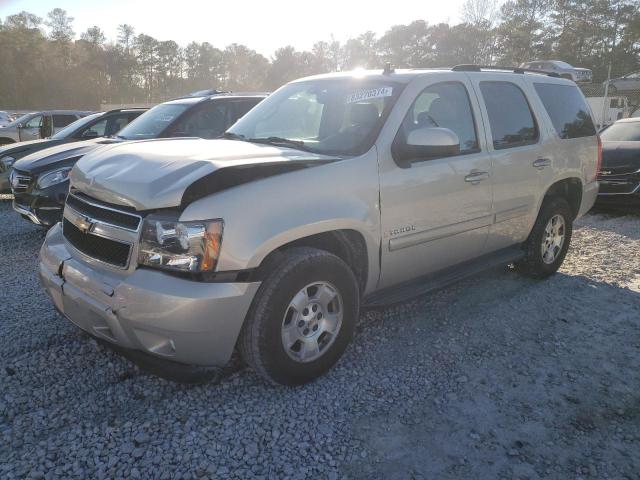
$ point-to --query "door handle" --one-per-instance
(541, 163)
(476, 177)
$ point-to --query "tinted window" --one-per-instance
(60, 121)
(510, 117)
(98, 128)
(76, 126)
(242, 107)
(444, 105)
(622, 132)
(206, 121)
(567, 109)
(116, 123)
(151, 123)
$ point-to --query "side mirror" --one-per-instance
(20, 125)
(89, 134)
(425, 143)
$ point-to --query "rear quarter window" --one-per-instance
(567, 109)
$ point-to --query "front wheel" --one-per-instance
(549, 239)
(302, 318)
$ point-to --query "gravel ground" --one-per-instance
(496, 377)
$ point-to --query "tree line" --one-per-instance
(45, 65)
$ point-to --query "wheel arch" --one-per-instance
(568, 188)
(348, 244)
(6, 140)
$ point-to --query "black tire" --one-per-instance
(6, 141)
(260, 342)
(533, 264)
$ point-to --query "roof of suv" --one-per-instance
(408, 74)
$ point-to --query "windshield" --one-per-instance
(622, 132)
(22, 119)
(330, 116)
(153, 122)
(562, 64)
(72, 127)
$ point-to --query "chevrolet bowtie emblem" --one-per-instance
(84, 224)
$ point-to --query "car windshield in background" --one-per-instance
(333, 117)
(22, 119)
(622, 132)
(72, 127)
(152, 123)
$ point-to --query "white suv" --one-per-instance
(337, 191)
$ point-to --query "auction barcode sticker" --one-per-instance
(369, 94)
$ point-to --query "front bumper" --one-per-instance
(5, 184)
(189, 322)
(42, 206)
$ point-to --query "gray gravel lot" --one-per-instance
(496, 377)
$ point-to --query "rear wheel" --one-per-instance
(547, 245)
(303, 317)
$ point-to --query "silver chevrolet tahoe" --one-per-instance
(339, 190)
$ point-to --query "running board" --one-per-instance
(442, 278)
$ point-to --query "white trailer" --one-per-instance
(606, 113)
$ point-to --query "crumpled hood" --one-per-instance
(58, 155)
(156, 174)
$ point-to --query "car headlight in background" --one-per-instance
(180, 246)
(54, 177)
(7, 161)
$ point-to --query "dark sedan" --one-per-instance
(620, 175)
(102, 124)
(40, 183)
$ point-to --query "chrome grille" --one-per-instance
(19, 181)
(103, 213)
(104, 249)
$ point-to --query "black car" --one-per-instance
(40, 182)
(620, 174)
(101, 124)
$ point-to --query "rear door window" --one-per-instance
(510, 117)
(567, 109)
(60, 121)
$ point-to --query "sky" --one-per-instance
(263, 25)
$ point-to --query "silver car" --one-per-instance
(562, 69)
(625, 84)
(336, 191)
(35, 125)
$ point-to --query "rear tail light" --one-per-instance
(599, 164)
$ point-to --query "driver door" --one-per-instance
(435, 212)
(31, 129)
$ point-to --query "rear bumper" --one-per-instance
(620, 189)
(180, 320)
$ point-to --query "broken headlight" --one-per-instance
(180, 246)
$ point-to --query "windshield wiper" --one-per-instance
(299, 144)
(232, 136)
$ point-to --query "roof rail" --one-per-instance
(126, 108)
(478, 68)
